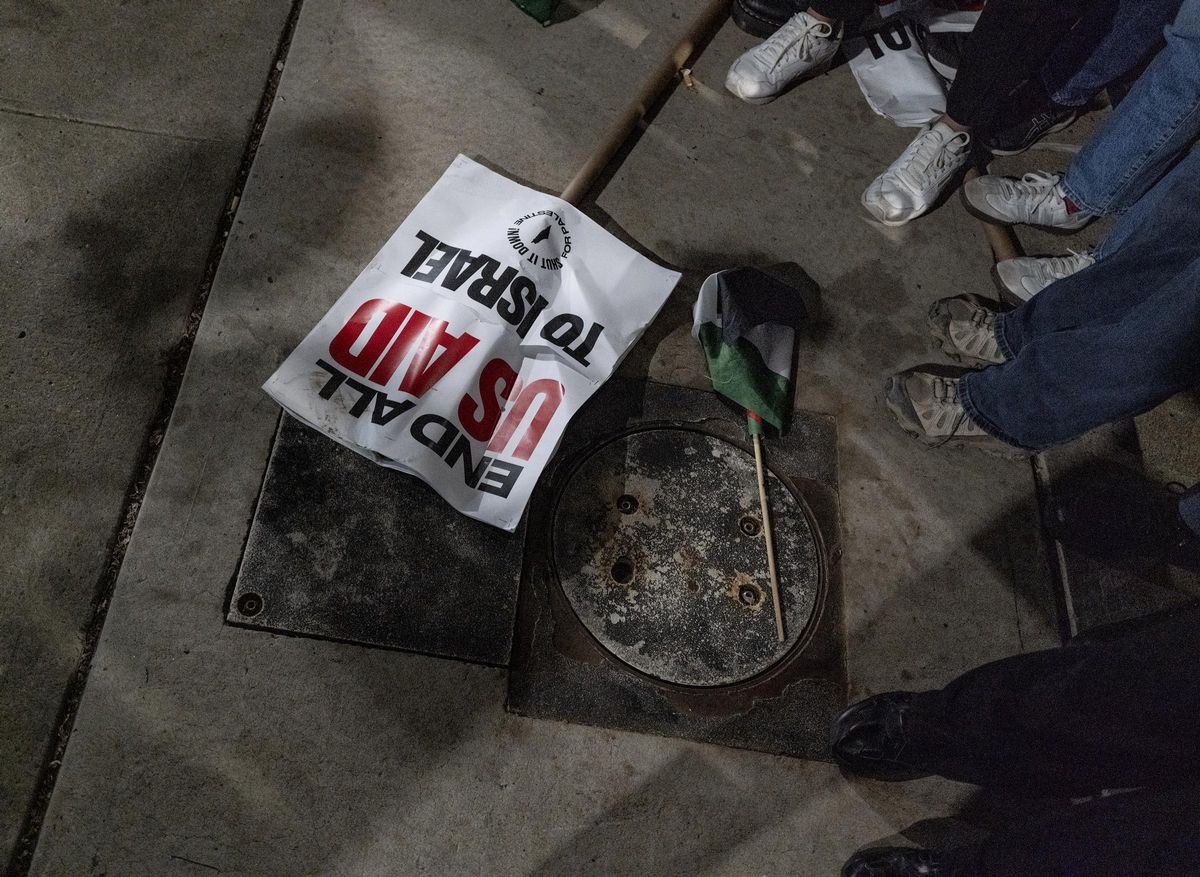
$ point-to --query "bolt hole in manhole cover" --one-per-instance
(658, 547)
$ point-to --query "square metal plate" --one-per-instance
(345, 549)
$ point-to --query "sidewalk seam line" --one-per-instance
(21, 859)
(108, 126)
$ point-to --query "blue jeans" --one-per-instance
(1108, 42)
(1158, 120)
(1189, 508)
(1106, 343)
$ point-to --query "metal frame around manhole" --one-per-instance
(766, 683)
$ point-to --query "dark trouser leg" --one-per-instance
(1112, 39)
(1010, 43)
(1071, 721)
(843, 10)
(1150, 833)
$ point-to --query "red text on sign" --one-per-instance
(400, 334)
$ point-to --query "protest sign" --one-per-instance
(466, 345)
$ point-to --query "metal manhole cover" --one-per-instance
(658, 547)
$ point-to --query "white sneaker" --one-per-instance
(915, 180)
(1036, 199)
(805, 45)
(1027, 276)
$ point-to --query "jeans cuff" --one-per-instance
(1002, 341)
(968, 404)
(1074, 197)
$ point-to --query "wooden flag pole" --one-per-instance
(710, 17)
(766, 521)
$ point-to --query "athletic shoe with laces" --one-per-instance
(1026, 276)
(761, 18)
(965, 328)
(803, 46)
(1016, 138)
(918, 177)
(927, 406)
(1035, 199)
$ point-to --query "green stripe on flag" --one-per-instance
(740, 374)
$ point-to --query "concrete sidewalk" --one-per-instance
(123, 126)
(203, 748)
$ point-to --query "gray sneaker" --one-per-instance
(927, 406)
(965, 328)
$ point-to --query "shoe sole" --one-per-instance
(994, 220)
(1053, 129)
(811, 74)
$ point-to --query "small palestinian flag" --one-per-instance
(746, 322)
(542, 10)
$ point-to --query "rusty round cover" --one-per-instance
(658, 546)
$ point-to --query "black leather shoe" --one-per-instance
(869, 738)
(763, 17)
(893, 862)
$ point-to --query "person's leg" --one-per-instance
(1159, 199)
(1066, 68)
(1149, 130)
(1107, 342)
(1154, 241)
(1189, 508)
(1064, 384)
(842, 10)
(1092, 715)
(1009, 44)
(1147, 833)
(1115, 710)
(1110, 40)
